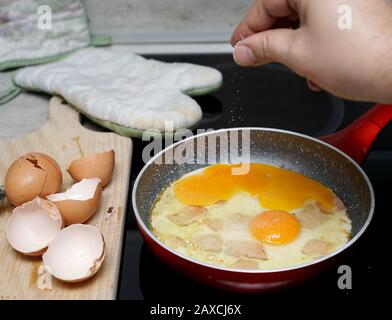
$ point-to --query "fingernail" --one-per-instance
(313, 86)
(238, 39)
(244, 56)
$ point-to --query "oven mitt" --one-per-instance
(125, 92)
(24, 39)
(8, 90)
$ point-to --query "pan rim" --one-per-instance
(142, 225)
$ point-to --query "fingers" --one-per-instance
(262, 16)
(267, 46)
(275, 46)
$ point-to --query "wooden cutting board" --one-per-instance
(65, 139)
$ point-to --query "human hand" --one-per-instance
(351, 63)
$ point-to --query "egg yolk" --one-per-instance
(275, 226)
(275, 188)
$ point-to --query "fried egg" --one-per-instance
(237, 222)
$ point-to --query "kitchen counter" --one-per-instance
(24, 114)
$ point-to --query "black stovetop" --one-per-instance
(270, 96)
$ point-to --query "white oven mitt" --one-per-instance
(125, 92)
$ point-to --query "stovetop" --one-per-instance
(269, 96)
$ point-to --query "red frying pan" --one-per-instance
(334, 161)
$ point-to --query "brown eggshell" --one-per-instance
(79, 211)
(32, 175)
(54, 170)
(99, 165)
(23, 182)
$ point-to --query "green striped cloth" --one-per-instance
(38, 31)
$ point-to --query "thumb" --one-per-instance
(268, 46)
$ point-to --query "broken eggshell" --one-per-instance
(95, 165)
(79, 202)
(34, 174)
(33, 225)
(76, 253)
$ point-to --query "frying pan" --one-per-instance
(314, 158)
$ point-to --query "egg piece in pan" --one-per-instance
(242, 228)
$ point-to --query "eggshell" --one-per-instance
(32, 175)
(80, 202)
(76, 253)
(95, 165)
(33, 225)
(55, 168)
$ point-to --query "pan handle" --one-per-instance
(356, 140)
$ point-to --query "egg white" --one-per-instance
(335, 230)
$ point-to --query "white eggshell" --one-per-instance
(33, 225)
(76, 253)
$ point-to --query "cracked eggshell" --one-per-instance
(76, 253)
(34, 174)
(33, 225)
(54, 170)
(95, 165)
(80, 202)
